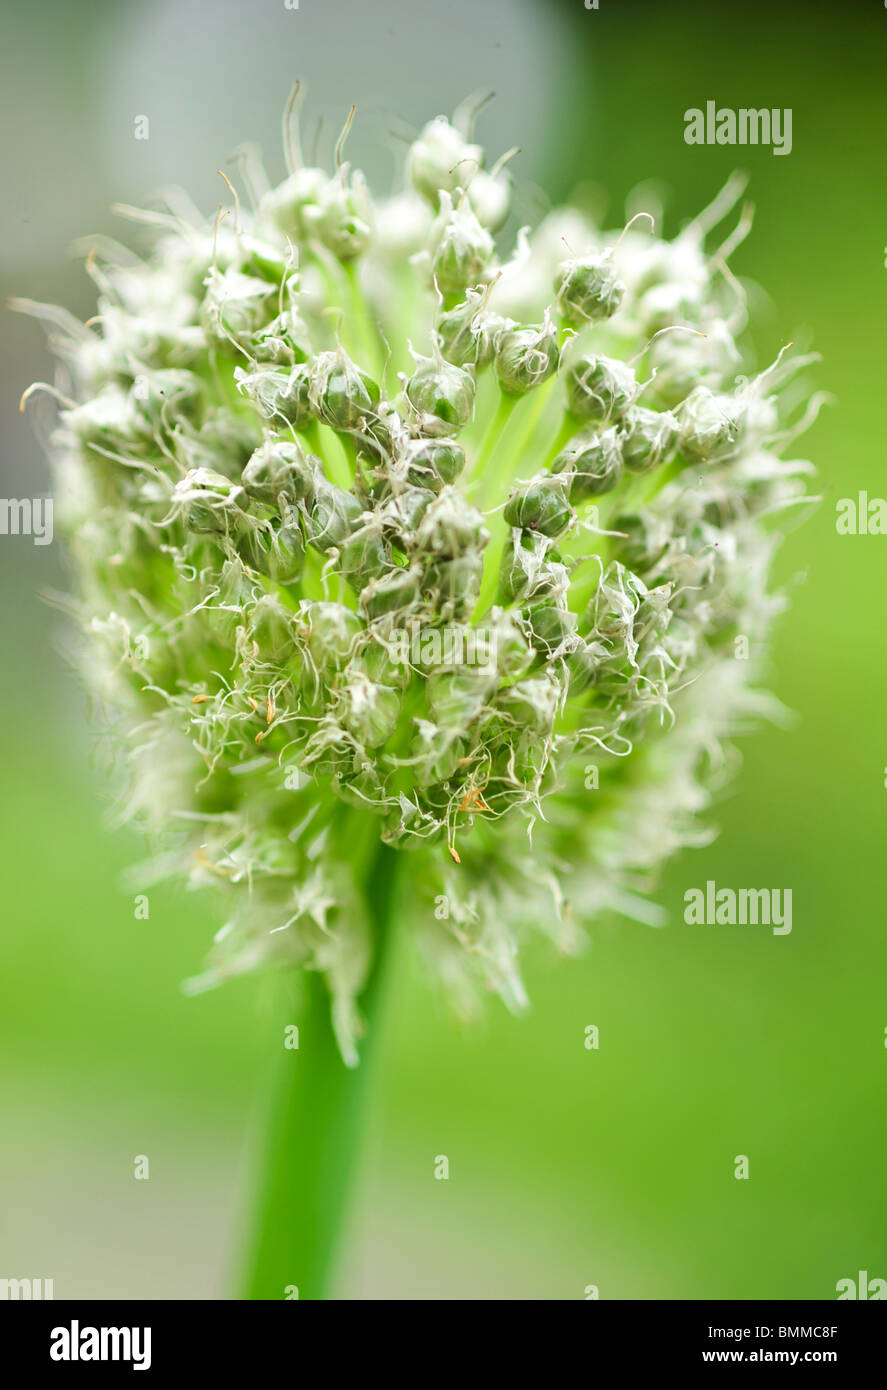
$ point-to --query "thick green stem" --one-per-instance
(313, 1134)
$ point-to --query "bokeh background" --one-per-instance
(568, 1167)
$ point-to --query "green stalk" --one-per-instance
(313, 1134)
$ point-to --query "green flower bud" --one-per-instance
(343, 217)
(294, 207)
(710, 426)
(600, 389)
(343, 396)
(331, 515)
(490, 197)
(280, 395)
(279, 468)
(463, 248)
(430, 463)
(593, 463)
(541, 506)
(526, 572)
(642, 542)
(582, 663)
(467, 333)
(649, 437)
(525, 357)
(531, 704)
(109, 420)
(236, 305)
(330, 631)
(440, 159)
(550, 627)
(165, 398)
(456, 696)
(588, 289)
(275, 550)
(442, 396)
(369, 711)
(210, 502)
(394, 592)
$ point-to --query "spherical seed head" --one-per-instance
(335, 616)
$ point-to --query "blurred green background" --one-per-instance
(567, 1167)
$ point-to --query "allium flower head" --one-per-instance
(389, 534)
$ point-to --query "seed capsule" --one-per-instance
(332, 515)
(440, 158)
(525, 357)
(463, 248)
(527, 574)
(331, 632)
(550, 627)
(600, 389)
(442, 395)
(649, 437)
(456, 695)
(279, 468)
(593, 463)
(710, 426)
(531, 704)
(643, 540)
(394, 592)
(541, 506)
(583, 664)
(362, 558)
(367, 710)
(430, 463)
(275, 550)
(452, 586)
(235, 305)
(343, 396)
(588, 289)
(282, 343)
(278, 394)
(343, 217)
(467, 333)
(212, 504)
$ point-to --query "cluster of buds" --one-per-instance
(294, 435)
